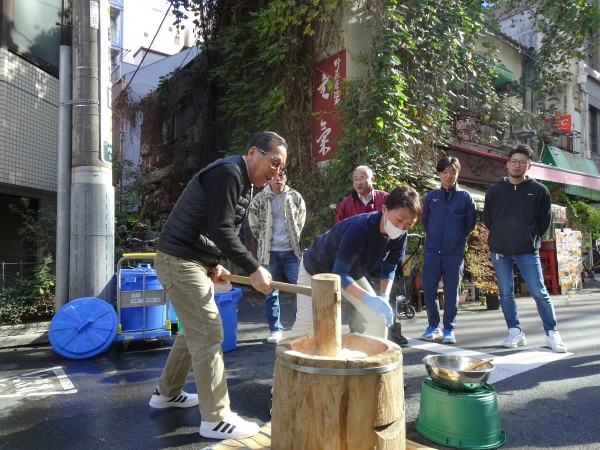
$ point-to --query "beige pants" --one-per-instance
(304, 313)
(198, 344)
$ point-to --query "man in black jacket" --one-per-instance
(518, 213)
(201, 231)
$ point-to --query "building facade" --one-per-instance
(29, 56)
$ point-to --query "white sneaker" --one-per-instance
(183, 400)
(554, 342)
(274, 337)
(232, 427)
(516, 338)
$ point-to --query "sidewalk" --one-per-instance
(30, 333)
(36, 333)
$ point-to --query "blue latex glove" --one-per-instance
(381, 306)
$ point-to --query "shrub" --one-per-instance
(33, 296)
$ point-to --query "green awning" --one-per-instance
(558, 158)
(503, 75)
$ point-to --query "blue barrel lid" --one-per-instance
(83, 328)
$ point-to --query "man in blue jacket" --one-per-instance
(517, 212)
(449, 217)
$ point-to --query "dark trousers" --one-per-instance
(449, 269)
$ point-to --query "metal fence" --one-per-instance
(15, 273)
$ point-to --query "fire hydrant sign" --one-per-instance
(327, 120)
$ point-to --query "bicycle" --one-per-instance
(588, 272)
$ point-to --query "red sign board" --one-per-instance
(561, 124)
(327, 120)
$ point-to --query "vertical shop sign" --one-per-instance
(327, 119)
(105, 85)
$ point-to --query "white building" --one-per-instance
(142, 32)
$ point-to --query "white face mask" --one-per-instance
(392, 231)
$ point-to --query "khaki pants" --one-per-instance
(304, 314)
(198, 343)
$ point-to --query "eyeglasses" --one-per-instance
(363, 178)
(519, 162)
(281, 175)
(275, 163)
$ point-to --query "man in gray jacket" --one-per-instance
(201, 231)
(518, 213)
(276, 217)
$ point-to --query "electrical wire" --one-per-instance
(149, 47)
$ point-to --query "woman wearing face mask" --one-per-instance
(354, 248)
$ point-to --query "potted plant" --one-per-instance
(463, 293)
(492, 300)
(478, 264)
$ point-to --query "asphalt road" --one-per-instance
(545, 400)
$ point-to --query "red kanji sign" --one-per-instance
(327, 120)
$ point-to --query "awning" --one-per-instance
(503, 75)
(579, 175)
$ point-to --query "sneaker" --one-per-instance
(449, 337)
(432, 333)
(183, 400)
(274, 337)
(232, 427)
(516, 338)
(554, 342)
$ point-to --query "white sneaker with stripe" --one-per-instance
(183, 400)
(231, 427)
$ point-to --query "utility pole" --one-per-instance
(92, 193)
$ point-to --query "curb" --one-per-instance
(31, 333)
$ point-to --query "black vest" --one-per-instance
(184, 234)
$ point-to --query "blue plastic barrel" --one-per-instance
(227, 305)
(132, 318)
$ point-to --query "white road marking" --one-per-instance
(52, 381)
(516, 363)
(504, 366)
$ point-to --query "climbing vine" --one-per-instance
(425, 59)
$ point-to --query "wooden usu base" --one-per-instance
(342, 402)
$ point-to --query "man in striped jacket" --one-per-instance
(276, 217)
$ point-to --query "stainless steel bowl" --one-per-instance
(450, 371)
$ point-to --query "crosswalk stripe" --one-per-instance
(504, 366)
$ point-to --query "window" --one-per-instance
(594, 123)
(183, 121)
(32, 31)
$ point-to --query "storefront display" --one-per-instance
(569, 259)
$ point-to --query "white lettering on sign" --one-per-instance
(323, 139)
(336, 86)
(323, 87)
(44, 382)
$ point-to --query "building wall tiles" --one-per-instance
(28, 124)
